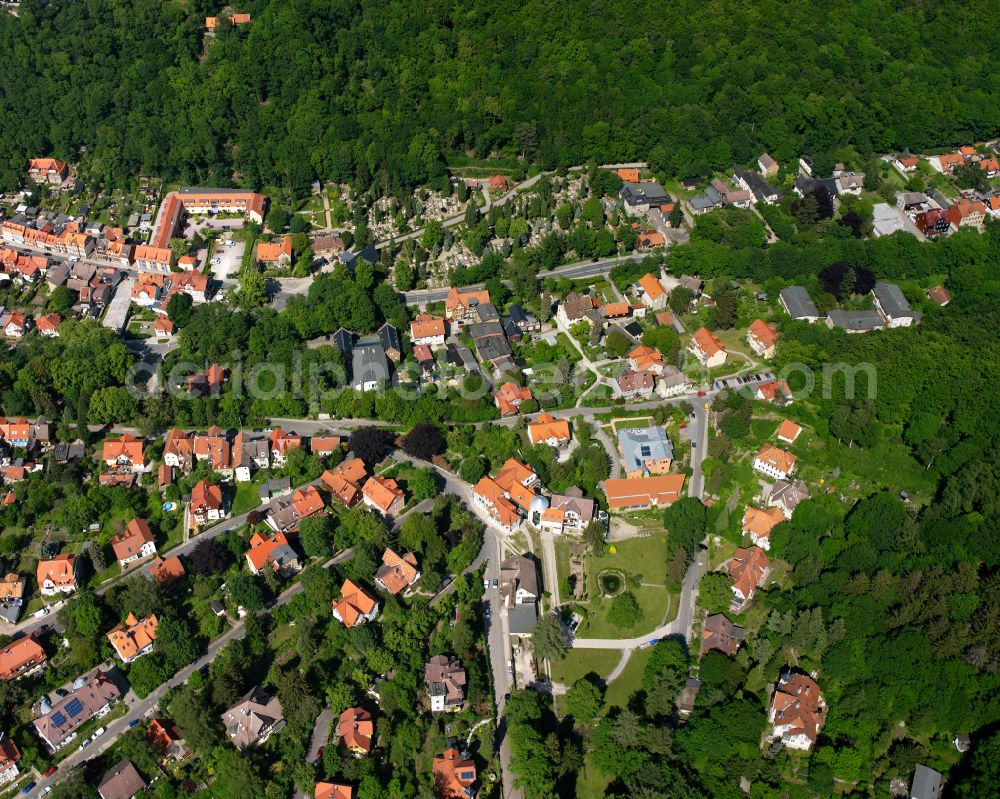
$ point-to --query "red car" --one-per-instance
(50, 772)
(701, 393)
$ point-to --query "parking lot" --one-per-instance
(747, 380)
(226, 260)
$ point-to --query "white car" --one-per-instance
(216, 261)
(99, 732)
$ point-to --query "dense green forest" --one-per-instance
(389, 91)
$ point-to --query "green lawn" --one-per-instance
(580, 662)
(245, 498)
(621, 690)
(591, 783)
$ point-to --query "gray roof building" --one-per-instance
(369, 366)
(95, 693)
(122, 781)
(797, 303)
(491, 342)
(926, 783)
(891, 303)
(252, 720)
(389, 338)
(641, 445)
(854, 321)
(787, 495)
(751, 181)
(645, 193)
(518, 581)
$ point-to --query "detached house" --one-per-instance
(445, 681)
(774, 391)
(332, 790)
(645, 451)
(635, 385)
(286, 514)
(278, 253)
(797, 711)
(356, 731)
(134, 638)
(355, 606)
(462, 305)
(786, 495)
(382, 494)
(252, 720)
(48, 325)
(570, 512)
(59, 575)
(124, 454)
(758, 524)
(892, 305)
(47, 170)
(507, 496)
(274, 552)
(762, 338)
(788, 431)
(798, 304)
(576, 308)
(546, 429)
(646, 359)
(135, 543)
(14, 325)
(721, 634)
(281, 443)
(518, 581)
(206, 503)
(509, 398)
(9, 757)
(774, 462)
(21, 658)
(344, 482)
(428, 330)
(454, 774)
(643, 492)
(638, 198)
(652, 293)
(93, 697)
(748, 570)
(707, 348)
(397, 572)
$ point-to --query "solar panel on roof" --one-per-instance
(58, 718)
(74, 707)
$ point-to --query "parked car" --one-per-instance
(486, 583)
(42, 613)
(496, 582)
(99, 732)
(28, 788)
(50, 772)
(85, 743)
(701, 393)
(133, 723)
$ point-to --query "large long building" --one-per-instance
(156, 256)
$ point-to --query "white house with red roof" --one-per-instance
(797, 711)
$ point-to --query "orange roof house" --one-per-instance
(332, 790)
(163, 734)
(498, 183)
(383, 494)
(643, 492)
(164, 327)
(21, 657)
(168, 571)
(323, 445)
(616, 310)
(775, 390)
(454, 775)
(125, 452)
(653, 293)
(788, 431)
(748, 568)
(274, 550)
(646, 359)
(510, 396)
(759, 524)
(628, 174)
(355, 606)
(397, 572)
(967, 151)
(206, 502)
(57, 575)
(356, 730)
(135, 637)
(797, 711)
(307, 501)
(546, 429)
(279, 252)
(344, 482)
(707, 348)
(48, 325)
(774, 462)
(762, 338)
(12, 585)
(650, 238)
(512, 488)
(137, 541)
(212, 23)
(427, 329)
(458, 304)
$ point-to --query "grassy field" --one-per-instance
(580, 662)
(245, 498)
(621, 690)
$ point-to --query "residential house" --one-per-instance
(748, 569)
(939, 296)
(788, 431)
(707, 348)
(164, 328)
(206, 503)
(47, 170)
(392, 346)
(854, 321)
(135, 543)
(93, 697)
(48, 324)
(524, 321)
(615, 311)
(762, 190)
(445, 681)
(911, 201)
(762, 338)
(848, 182)
(164, 735)
(135, 637)
(344, 481)
(774, 462)
(327, 246)
(15, 324)
(281, 443)
(635, 385)
(644, 492)
(892, 305)
(12, 585)
(775, 392)
(508, 495)
(798, 304)
(278, 253)
(647, 239)
(194, 284)
(518, 581)
(285, 515)
(397, 572)
(646, 359)
(767, 165)
(324, 446)
(252, 720)
(652, 293)
(576, 308)
(454, 775)
(58, 575)
(167, 572)
(249, 453)
(356, 731)
(428, 330)
(673, 383)
(926, 784)
(273, 551)
(121, 781)
(124, 454)
(546, 429)
(461, 305)
(569, 512)
(369, 366)
(355, 606)
(720, 634)
(214, 447)
(178, 450)
(382, 494)
(628, 174)
(638, 198)
(906, 164)
(797, 711)
(491, 344)
(21, 657)
(331, 790)
(948, 162)
(967, 213)
(207, 383)
(645, 451)
(786, 496)
(933, 222)
(509, 398)
(758, 524)
(9, 757)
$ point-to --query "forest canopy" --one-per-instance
(390, 92)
